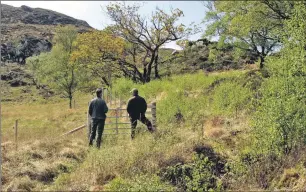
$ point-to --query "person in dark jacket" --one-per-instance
(136, 108)
(97, 111)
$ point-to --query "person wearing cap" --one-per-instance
(97, 111)
(136, 109)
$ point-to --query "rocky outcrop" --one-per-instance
(27, 47)
(27, 31)
(16, 77)
(38, 16)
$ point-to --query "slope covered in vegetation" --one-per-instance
(188, 124)
(204, 141)
(241, 129)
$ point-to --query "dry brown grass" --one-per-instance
(37, 164)
(215, 133)
(96, 188)
(161, 96)
(47, 120)
(42, 154)
(125, 158)
(214, 127)
(289, 178)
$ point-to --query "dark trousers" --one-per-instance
(143, 119)
(97, 126)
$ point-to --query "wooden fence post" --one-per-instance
(120, 106)
(74, 103)
(153, 109)
(117, 131)
(16, 134)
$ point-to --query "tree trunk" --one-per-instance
(105, 81)
(134, 76)
(156, 67)
(148, 73)
(145, 74)
(35, 83)
(70, 101)
(71, 87)
(262, 60)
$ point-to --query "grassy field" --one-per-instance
(202, 137)
(42, 120)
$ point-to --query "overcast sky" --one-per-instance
(92, 11)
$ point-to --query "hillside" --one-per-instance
(54, 163)
(39, 16)
(201, 143)
(225, 116)
(27, 31)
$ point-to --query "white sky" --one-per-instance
(91, 11)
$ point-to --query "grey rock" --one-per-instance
(28, 15)
(27, 47)
(25, 33)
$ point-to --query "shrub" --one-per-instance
(201, 175)
(230, 98)
(279, 123)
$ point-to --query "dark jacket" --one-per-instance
(136, 106)
(97, 108)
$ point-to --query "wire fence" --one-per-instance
(117, 121)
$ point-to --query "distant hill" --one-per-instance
(27, 31)
(28, 15)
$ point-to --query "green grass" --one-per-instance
(46, 119)
(215, 110)
(174, 142)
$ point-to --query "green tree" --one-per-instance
(96, 51)
(36, 69)
(248, 25)
(54, 68)
(146, 36)
(279, 123)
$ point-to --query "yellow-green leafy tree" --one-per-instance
(252, 26)
(97, 52)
